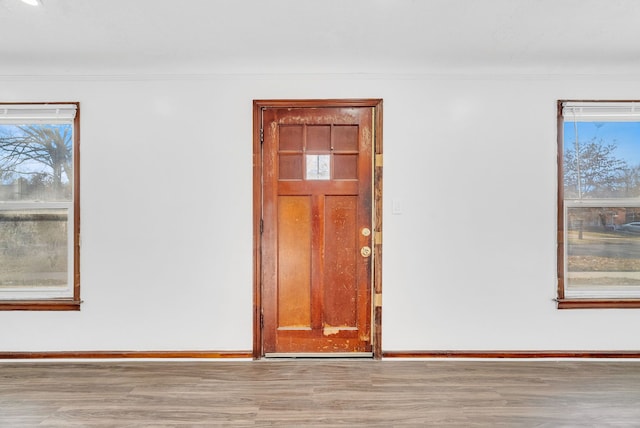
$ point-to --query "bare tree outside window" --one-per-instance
(592, 169)
(36, 162)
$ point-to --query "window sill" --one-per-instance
(598, 303)
(40, 305)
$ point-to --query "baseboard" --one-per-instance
(249, 355)
(511, 354)
(124, 354)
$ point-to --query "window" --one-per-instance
(598, 204)
(39, 207)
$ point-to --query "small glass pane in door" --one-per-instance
(318, 167)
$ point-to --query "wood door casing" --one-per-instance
(314, 288)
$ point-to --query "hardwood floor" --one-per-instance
(307, 393)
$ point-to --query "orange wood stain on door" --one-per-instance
(316, 201)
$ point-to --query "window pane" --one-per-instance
(33, 248)
(600, 211)
(318, 167)
(601, 159)
(36, 162)
(603, 247)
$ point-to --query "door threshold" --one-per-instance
(319, 355)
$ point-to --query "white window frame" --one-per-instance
(603, 296)
(65, 297)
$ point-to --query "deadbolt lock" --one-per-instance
(365, 251)
(366, 231)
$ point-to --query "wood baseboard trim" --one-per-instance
(511, 354)
(249, 355)
(598, 303)
(40, 305)
(124, 355)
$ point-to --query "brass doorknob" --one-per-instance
(365, 251)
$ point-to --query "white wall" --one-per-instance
(166, 176)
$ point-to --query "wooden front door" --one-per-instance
(317, 230)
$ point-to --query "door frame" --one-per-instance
(376, 295)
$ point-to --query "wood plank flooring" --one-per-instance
(323, 393)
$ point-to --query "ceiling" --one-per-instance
(318, 36)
